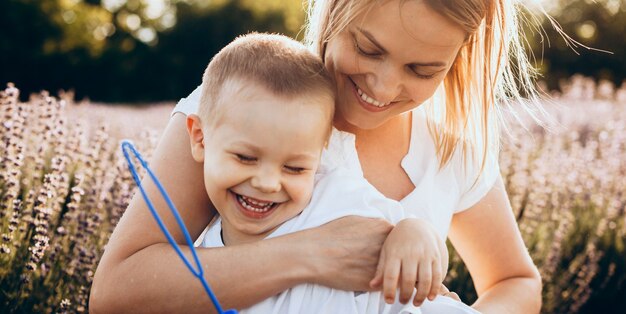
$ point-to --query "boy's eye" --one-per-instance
(294, 170)
(245, 158)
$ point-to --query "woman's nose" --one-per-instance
(386, 84)
(266, 180)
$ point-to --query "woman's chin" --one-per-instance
(346, 119)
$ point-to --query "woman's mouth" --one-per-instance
(367, 101)
(254, 208)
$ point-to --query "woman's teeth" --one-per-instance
(369, 99)
(254, 205)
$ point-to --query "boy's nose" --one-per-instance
(266, 181)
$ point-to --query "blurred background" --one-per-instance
(64, 184)
(156, 50)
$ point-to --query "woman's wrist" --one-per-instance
(300, 255)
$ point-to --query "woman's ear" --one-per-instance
(196, 137)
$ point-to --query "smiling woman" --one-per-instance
(418, 85)
(379, 77)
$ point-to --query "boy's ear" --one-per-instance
(196, 137)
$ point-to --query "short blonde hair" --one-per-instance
(490, 70)
(280, 64)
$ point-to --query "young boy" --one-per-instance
(265, 116)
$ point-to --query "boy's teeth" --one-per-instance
(369, 99)
(254, 202)
(253, 205)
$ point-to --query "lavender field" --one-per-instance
(64, 185)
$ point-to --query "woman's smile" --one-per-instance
(368, 102)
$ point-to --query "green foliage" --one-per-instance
(598, 25)
(139, 51)
(122, 53)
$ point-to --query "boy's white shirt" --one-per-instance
(340, 190)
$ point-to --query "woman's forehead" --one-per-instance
(410, 24)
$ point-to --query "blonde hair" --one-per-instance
(282, 65)
(490, 68)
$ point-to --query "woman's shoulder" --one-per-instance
(472, 167)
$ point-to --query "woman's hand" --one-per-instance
(413, 256)
(345, 252)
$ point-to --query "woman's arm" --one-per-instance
(487, 238)
(140, 272)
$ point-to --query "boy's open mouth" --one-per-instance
(253, 207)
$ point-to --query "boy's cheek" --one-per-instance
(221, 172)
(303, 190)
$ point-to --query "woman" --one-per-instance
(433, 151)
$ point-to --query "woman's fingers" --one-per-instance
(390, 281)
(380, 269)
(407, 280)
(424, 282)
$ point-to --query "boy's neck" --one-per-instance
(231, 236)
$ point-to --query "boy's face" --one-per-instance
(260, 158)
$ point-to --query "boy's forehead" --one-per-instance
(291, 130)
(240, 92)
(247, 107)
(247, 88)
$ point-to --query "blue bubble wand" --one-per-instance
(198, 273)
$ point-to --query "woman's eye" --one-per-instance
(245, 158)
(363, 52)
(423, 76)
(295, 170)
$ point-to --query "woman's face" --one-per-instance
(389, 60)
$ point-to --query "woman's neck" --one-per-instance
(380, 153)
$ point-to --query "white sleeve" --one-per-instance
(473, 191)
(190, 104)
(338, 194)
(343, 192)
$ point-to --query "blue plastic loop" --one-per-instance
(198, 273)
